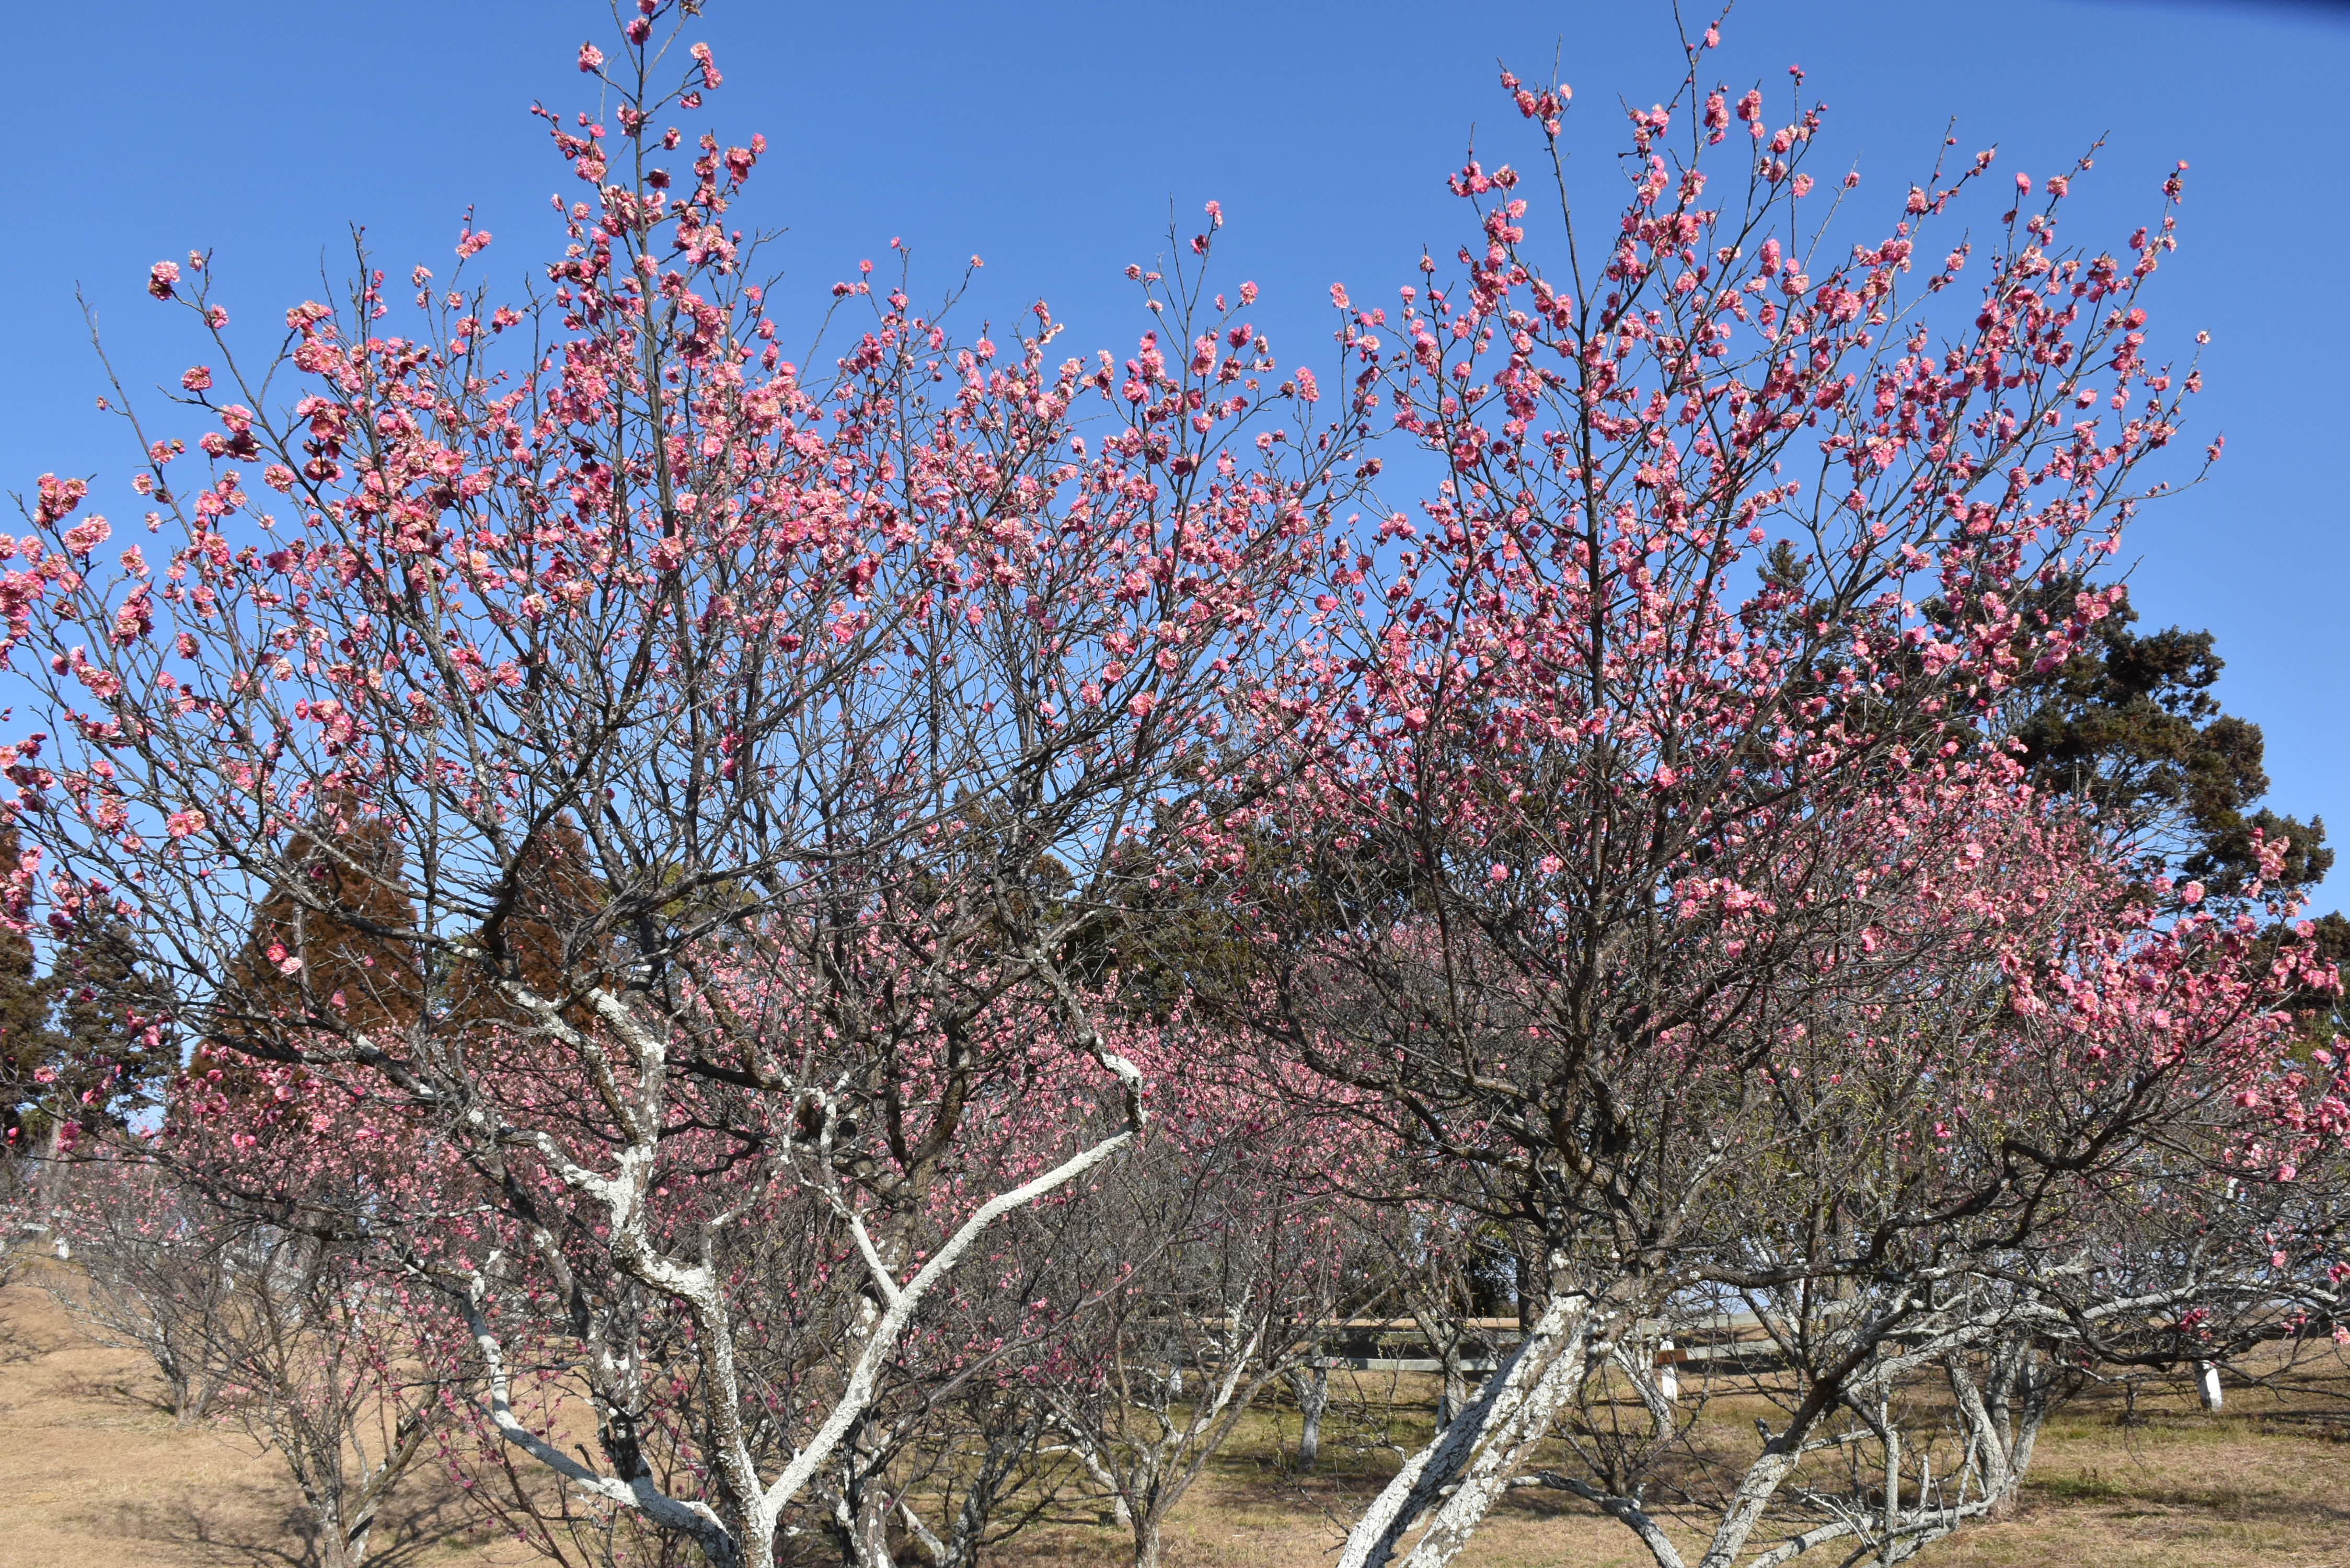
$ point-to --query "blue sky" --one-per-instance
(1052, 139)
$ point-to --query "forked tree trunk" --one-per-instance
(1465, 1470)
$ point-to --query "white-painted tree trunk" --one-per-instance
(1465, 1470)
(1312, 1385)
(1892, 1530)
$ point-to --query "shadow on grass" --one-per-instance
(243, 1523)
(2127, 1491)
(18, 1341)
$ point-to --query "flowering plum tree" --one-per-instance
(1957, 1181)
(703, 862)
(336, 1374)
(1652, 762)
(152, 1276)
(330, 1367)
(822, 696)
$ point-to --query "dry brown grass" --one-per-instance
(2165, 1486)
(95, 1473)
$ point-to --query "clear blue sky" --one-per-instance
(1052, 137)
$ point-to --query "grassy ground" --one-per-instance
(91, 1472)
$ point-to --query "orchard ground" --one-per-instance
(97, 1473)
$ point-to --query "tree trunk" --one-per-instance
(1313, 1387)
(1456, 1385)
(1892, 1479)
(1149, 1537)
(49, 1183)
(862, 1512)
(2207, 1386)
(1473, 1456)
(872, 1535)
(338, 1546)
(187, 1400)
(751, 1541)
